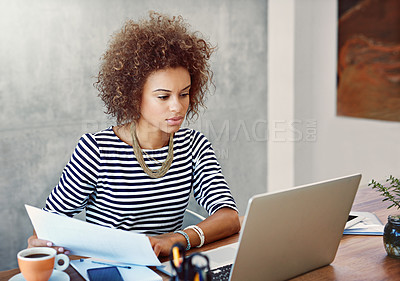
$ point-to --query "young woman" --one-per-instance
(138, 175)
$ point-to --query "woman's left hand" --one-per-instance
(221, 224)
(163, 243)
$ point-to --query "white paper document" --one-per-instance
(128, 273)
(369, 225)
(91, 240)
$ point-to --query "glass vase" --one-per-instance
(391, 236)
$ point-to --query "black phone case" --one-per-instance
(104, 274)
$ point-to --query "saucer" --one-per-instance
(56, 276)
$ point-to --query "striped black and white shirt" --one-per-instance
(104, 177)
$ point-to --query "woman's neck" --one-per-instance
(150, 138)
(147, 139)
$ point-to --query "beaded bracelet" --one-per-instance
(186, 237)
(199, 232)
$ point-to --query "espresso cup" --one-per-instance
(37, 264)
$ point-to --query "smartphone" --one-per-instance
(104, 274)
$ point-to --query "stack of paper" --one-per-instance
(369, 225)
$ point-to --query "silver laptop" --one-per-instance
(290, 232)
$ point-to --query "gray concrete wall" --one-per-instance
(49, 54)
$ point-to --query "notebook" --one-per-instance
(288, 233)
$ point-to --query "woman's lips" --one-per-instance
(174, 121)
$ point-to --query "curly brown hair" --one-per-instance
(142, 47)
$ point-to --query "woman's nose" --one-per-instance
(175, 105)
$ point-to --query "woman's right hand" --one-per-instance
(34, 241)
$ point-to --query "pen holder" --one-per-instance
(191, 268)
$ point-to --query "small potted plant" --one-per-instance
(391, 233)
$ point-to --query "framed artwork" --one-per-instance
(368, 73)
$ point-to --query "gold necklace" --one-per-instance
(152, 158)
(155, 174)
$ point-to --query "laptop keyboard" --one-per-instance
(221, 273)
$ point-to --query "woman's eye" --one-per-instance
(184, 94)
(162, 97)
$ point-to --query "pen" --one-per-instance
(110, 264)
(175, 254)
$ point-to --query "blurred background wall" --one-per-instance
(49, 54)
(308, 141)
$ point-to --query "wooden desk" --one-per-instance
(358, 257)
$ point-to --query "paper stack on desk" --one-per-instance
(370, 225)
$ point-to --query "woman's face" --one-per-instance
(165, 100)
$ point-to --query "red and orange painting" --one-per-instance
(369, 59)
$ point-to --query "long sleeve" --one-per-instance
(78, 180)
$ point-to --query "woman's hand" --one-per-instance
(221, 224)
(162, 244)
(34, 241)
